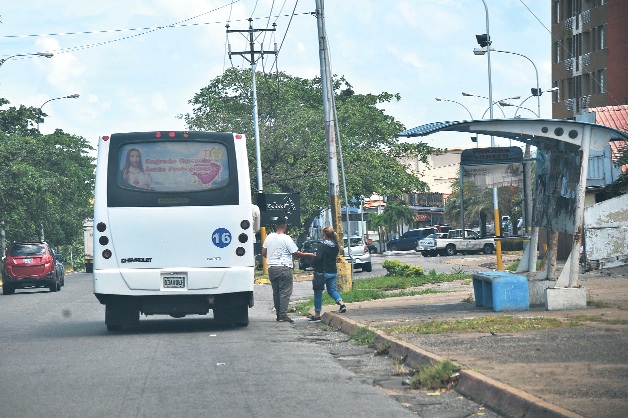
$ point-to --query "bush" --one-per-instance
(395, 268)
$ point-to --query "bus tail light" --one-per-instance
(240, 251)
(106, 254)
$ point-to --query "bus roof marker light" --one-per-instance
(105, 138)
(238, 136)
(171, 134)
(157, 134)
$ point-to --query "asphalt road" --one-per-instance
(57, 359)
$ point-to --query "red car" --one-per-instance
(30, 264)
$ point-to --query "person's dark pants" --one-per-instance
(281, 282)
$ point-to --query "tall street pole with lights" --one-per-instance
(485, 42)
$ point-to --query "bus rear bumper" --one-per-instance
(151, 282)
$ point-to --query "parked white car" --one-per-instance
(358, 254)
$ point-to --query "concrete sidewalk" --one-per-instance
(577, 370)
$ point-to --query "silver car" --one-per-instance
(358, 254)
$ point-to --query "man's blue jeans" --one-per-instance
(330, 285)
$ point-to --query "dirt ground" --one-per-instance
(581, 368)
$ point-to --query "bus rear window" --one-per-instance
(173, 167)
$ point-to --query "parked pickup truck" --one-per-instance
(454, 243)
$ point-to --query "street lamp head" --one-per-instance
(482, 51)
(438, 99)
(467, 94)
(72, 96)
(503, 103)
(44, 54)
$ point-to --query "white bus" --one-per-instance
(173, 226)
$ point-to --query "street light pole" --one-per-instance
(535, 92)
(438, 99)
(36, 54)
(71, 96)
(485, 41)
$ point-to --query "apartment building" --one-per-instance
(589, 55)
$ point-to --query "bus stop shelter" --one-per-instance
(563, 148)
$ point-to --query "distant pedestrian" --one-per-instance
(326, 273)
(278, 248)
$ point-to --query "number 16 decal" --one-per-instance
(221, 237)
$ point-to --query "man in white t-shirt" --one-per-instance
(278, 248)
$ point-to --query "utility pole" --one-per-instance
(344, 269)
(252, 56)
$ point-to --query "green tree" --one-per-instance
(480, 200)
(46, 181)
(292, 136)
(394, 217)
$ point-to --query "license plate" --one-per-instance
(174, 282)
(27, 260)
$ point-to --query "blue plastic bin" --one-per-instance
(501, 291)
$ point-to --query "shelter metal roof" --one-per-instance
(535, 131)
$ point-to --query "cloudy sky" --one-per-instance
(134, 75)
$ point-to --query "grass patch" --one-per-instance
(363, 336)
(382, 349)
(437, 376)
(579, 319)
(497, 324)
(383, 287)
(404, 282)
(469, 299)
(597, 304)
(302, 308)
(513, 266)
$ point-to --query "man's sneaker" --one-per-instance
(315, 319)
(285, 318)
(342, 309)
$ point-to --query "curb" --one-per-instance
(502, 398)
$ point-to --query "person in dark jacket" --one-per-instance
(325, 272)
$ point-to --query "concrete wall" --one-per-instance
(606, 233)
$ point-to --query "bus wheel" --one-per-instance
(237, 315)
(118, 313)
(241, 315)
